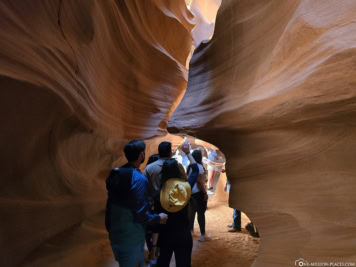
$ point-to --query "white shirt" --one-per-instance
(201, 171)
(153, 174)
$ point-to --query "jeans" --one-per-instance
(197, 204)
(236, 215)
(129, 256)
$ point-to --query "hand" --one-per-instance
(163, 218)
(186, 147)
(225, 188)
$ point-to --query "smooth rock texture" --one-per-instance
(275, 90)
(78, 79)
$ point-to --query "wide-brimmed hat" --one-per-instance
(175, 194)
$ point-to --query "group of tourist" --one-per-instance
(158, 206)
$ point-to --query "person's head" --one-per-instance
(197, 155)
(165, 150)
(135, 151)
(170, 169)
(152, 159)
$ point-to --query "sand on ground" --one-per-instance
(225, 249)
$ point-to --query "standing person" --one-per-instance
(199, 199)
(175, 236)
(236, 214)
(182, 158)
(213, 170)
(152, 158)
(153, 174)
(127, 208)
(150, 228)
(153, 171)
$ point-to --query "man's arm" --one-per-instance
(140, 197)
(146, 172)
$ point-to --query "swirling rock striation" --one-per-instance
(78, 79)
(275, 90)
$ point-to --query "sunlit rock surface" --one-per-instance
(275, 90)
(78, 79)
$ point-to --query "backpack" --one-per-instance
(118, 185)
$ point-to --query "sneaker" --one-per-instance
(229, 225)
(203, 238)
(153, 263)
(234, 230)
(251, 229)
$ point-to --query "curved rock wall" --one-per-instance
(275, 90)
(78, 79)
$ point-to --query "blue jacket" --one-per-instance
(127, 217)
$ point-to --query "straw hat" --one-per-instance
(175, 194)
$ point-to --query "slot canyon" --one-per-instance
(271, 83)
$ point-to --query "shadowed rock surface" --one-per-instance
(275, 90)
(78, 79)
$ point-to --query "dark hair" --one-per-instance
(197, 155)
(170, 169)
(152, 159)
(133, 149)
(165, 149)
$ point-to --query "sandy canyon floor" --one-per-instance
(225, 249)
(87, 244)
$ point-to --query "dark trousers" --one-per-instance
(179, 243)
(197, 204)
(149, 238)
(236, 216)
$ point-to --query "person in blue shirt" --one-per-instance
(127, 209)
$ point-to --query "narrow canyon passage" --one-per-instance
(272, 83)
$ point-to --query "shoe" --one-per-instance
(251, 229)
(203, 238)
(229, 225)
(234, 230)
(153, 263)
(210, 192)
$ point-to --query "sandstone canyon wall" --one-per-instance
(275, 90)
(78, 79)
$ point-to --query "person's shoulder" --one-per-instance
(149, 167)
(154, 165)
(137, 174)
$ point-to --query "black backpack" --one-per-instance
(118, 185)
